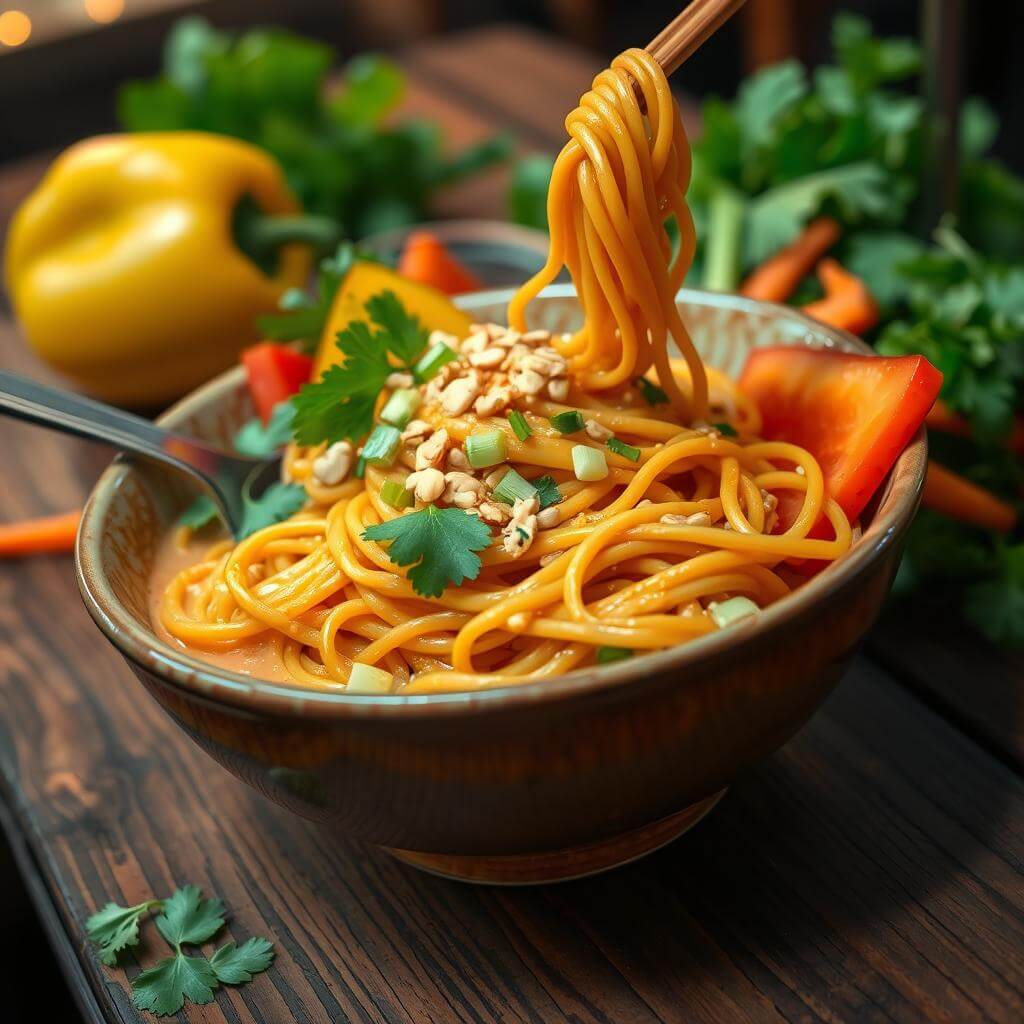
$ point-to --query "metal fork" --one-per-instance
(221, 475)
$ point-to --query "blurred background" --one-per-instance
(61, 60)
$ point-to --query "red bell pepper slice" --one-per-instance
(275, 373)
(425, 259)
(854, 413)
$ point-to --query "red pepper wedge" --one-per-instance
(275, 373)
(425, 259)
(854, 413)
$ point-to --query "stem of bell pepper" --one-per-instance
(260, 235)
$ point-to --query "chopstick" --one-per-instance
(689, 30)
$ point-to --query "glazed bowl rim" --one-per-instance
(145, 649)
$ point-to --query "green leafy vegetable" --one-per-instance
(235, 965)
(115, 928)
(996, 606)
(342, 153)
(200, 513)
(189, 919)
(276, 504)
(304, 317)
(261, 442)
(340, 405)
(164, 988)
(548, 493)
(528, 191)
(439, 544)
(725, 429)
(651, 393)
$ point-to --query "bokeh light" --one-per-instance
(104, 11)
(15, 28)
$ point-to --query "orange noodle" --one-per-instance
(636, 560)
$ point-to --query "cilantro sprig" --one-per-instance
(185, 919)
(340, 405)
(440, 545)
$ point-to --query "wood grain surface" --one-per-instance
(870, 871)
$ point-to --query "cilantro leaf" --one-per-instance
(528, 190)
(261, 442)
(996, 606)
(114, 928)
(277, 503)
(188, 918)
(439, 544)
(548, 493)
(235, 965)
(164, 988)
(403, 334)
(200, 513)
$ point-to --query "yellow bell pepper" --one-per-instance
(124, 266)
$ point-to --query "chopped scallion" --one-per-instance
(360, 471)
(512, 487)
(396, 495)
(433, 359)
(726, 429)
(368, 679)
(569, 422)
(627, 451)
(651, 393)
(382, 445)
(728, 613)
(607, 655)
(400, 408)
(588, 463)
(517, 421)
(484, 450)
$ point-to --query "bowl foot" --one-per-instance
(565, 864)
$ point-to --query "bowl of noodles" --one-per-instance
(557, 604)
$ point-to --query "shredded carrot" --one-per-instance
(945, 421)
(953, 495)
(847, 304)
(48, 535)
(425, 259)
(778, 277)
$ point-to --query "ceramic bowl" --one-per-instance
(539, 782)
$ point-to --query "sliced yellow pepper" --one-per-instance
(124, 266)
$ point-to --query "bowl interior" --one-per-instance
(134, 505)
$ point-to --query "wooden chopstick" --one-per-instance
(689, 30)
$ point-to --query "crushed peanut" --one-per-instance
(333, 466)
(548, 517)
(518, 534)
(427, 484)
(431, 452)
(597, 431)
(460, 394)
(399, 380)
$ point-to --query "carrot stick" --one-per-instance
(952, 495)
(425, 259)
(945, 421)
(778, 277)
(48, 535)
(847, 304)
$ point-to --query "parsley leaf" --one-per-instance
(261, 442)
(163, 989)
(278, 502)
(404, 336)
(340, 405)
(235, 965)
(115, 928)
(200, 513)
(439, 544)
(188, 918)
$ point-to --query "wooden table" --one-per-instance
(870, 871)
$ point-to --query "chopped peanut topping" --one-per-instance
(596, 431)
(426, 484)
(431, 452)
(518, 534)
(333, 466)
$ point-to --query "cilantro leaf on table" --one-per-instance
(340, 405)
(235, 965)
(439, 543)
(164, 988)
(261, 442)
(114, 928)
(188, 918)
(275, 504)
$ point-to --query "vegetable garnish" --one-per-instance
(569, 422)
(201, 512)
(381, 448)
(484, 450)
(726, 429)
(186, 919)
(260, 441)
(434, 358)
(395, 495)
(517, 421)
(650, 392)
(736, 609)
(277, 503)
(439, 544)
(589, 464)
(340, 405)
(548, 493)
(608, 655)
(511, 487)
(627, 451)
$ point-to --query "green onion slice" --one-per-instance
(728, 613)
(511, 487)
(396, 495)
(432, 360)
(569, 422)
(588, 464)
(484, 450)
(607, 655)
(651, 393)
(382, 445)
(627, 451)
(400, 408)
(517, 421)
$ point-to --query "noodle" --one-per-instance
(636, 560)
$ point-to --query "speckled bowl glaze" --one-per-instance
(540, 782)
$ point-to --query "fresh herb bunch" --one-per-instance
(340, 155)
(185, 920)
